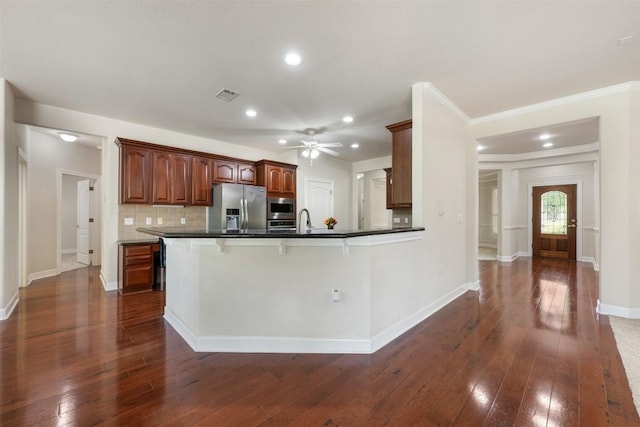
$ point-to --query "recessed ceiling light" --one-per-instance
(355, 145)
(347, 119)
(481, 147)
(547, 144)
(282, 141)
(69, 137)
(251, 113)
(544, 137)
(293, 59)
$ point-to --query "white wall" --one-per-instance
(46, 155)
(8, 202)
(336, 170)
(617, 108)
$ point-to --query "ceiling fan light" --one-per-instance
(314, 153)
(305, 153)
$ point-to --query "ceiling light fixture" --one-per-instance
(355, 145)
(347, 119)
(547, 144)
(481, 147)
(305, 153)
(68, 137)
(282, 141)
(314, 153)
(293, 59)
(544, 137)
(251, 113)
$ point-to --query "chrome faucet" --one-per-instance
(309, 226)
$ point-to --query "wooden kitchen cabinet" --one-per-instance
(135, 262)
(201, 178)
(247, 174)
(400, 181)
(224, 171)
(134, 169)
(278, 178)
(170, 179)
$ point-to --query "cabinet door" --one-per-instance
(274, 179)
(246, 174)
(289, 182)
(201, 181)
(401, 163)
(134, 175)
(224, 171)
(161, 178)
(180, 179)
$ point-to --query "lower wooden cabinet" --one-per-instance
(135, 267)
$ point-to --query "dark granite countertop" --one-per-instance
(195, 233)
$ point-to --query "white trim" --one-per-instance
(253, 344)
(623, 87)
(6, 311)
(68, 251)
(473, 286)
(592, 261)
(614, 310)
(108, 286)
(558, 152)
(514, 227)
(442, 98)
(508, 258)
(42, 275)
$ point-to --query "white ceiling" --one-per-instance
(160, 63)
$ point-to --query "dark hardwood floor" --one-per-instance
(527, 350)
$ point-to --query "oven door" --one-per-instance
(281, 208)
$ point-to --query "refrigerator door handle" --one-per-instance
(245, 214)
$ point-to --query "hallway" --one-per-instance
(528, 349)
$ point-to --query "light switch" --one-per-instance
(396, 220)
(159, 221)
(149, 221)
(128, 221)
(183, 221)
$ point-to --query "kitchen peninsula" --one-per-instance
(326, 291)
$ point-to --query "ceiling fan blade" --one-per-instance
(330, 144)
(293, 146)
(326, 150)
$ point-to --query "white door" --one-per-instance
(82, 230)
(319, 195)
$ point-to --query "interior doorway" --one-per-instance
(78, 220)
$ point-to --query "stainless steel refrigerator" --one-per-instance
(237, 207)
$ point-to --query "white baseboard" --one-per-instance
(591, 260)
(243, 344)
(108, 286)
(41, 275)
(473, 286)
(614, 310)
(5, 312)
(68, 251)
(511, 258)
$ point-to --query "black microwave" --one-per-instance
(281, 208)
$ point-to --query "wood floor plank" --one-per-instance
(527, 349)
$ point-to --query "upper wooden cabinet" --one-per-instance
(224, 171)
(247, 174)
(278, 178)
(401, 164)
(201, 178)
(171, 179)
(135, 166)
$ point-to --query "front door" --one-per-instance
(554, 221)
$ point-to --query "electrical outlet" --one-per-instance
(335, 295)
(159, 221)
(406, 220)
(149, 221)
(183, 221)
(128, 221)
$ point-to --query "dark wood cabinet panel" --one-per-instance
(170, 179)
(134, 167)
(224, 171)
(135, 270)
(201, 179)
(247, 174)
(278, 178)
(401, 163)
(289, 182)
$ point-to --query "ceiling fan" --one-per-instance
(312, 147)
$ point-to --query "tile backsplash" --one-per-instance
(195, 216)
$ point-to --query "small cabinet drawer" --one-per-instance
(135, 271)
(138, 251)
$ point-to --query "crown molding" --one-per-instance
(442, 98)
(558, 152)
(592, 94)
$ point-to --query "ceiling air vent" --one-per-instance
(227, 94)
